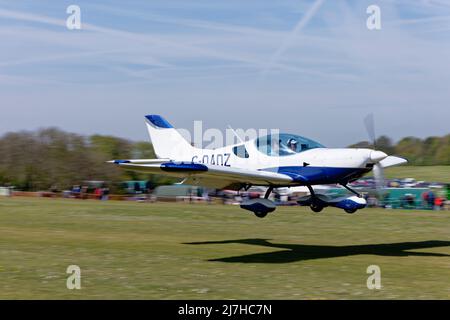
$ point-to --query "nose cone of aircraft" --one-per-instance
(377, 156)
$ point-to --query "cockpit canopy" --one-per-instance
(285, 144)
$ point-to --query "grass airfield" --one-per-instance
(426, 173)
(132, 250)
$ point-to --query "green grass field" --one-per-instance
(425, 173)
(186, 251)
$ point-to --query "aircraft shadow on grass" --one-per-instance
(300, 252)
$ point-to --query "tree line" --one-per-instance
(54, 159)
(419, 152)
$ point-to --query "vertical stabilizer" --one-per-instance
(167, 141)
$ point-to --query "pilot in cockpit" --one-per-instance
(292, 144)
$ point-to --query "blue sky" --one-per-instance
(307, 67)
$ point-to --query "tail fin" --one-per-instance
(167, 142)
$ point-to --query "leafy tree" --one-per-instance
(442, 154)
(362, 144)
(384, 144)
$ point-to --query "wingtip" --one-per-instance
(118, 161)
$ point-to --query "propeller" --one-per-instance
(369, 123)
(375, 156)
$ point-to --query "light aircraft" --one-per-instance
(286, 160)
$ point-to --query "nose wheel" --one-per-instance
(317, 203)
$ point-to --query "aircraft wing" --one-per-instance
(205, 174)
(139, 161)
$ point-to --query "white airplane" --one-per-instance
(283, 161)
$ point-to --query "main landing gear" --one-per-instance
(316, 207)
(260, 207)
(316, 204)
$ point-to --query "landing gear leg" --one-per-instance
(359, 195)
(311, 190)
(268, 192)
(245, 187)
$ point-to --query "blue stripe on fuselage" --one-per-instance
(320, 175)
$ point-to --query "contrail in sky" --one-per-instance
(288, 40)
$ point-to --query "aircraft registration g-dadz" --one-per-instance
(287, 161)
